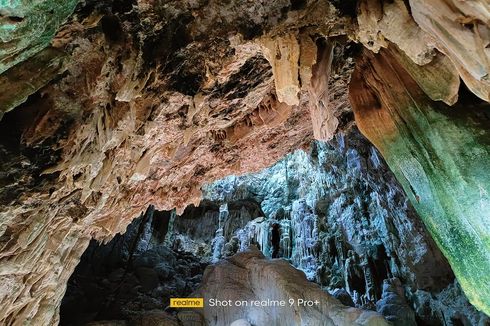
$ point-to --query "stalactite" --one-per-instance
(286, 234)
(169, 236)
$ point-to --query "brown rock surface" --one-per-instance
(27, 78)
(461, 30)
(383, 21)
(248, 276)
(145, 113)
(159, 97)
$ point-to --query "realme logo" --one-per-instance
(186, 302)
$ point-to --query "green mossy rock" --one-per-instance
(441, 157)
(28, 26)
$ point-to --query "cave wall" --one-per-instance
(194, 230)
(437, 152)
(440, 156)
(143, 101)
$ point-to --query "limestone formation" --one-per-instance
(461, 30)
(28, 77)
(345, 222)
(27, 27)
(107, 107)
(381, 22)
(283, 54)
(439, 156)
(248, 276)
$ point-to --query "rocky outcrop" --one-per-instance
(381, 22)
(422, 29)
(461, 31)
(439, 155)
(27, 78)
(249, 277)
(393, 304)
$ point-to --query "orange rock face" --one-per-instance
(157, 98)
(145, 113)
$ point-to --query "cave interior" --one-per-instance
(329, 151)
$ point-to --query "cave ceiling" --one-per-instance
(109, 106)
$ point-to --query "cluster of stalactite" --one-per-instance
(107, 107)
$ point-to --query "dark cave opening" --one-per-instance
(379, 269)
(298, 4)
(276, 240)
(333, 249)
(160, 224)
(135, 274)
(355, 278)
(346, 7)
(111, 27)
(15, 19)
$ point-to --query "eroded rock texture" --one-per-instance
(344, 220)
(248, 276)
(421, 29)
(154, 99)
(141, 102)
(461, 30)
(27, 27)
(440, 156)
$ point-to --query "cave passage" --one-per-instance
(346, 240)
(244, 151)
(133, 275)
